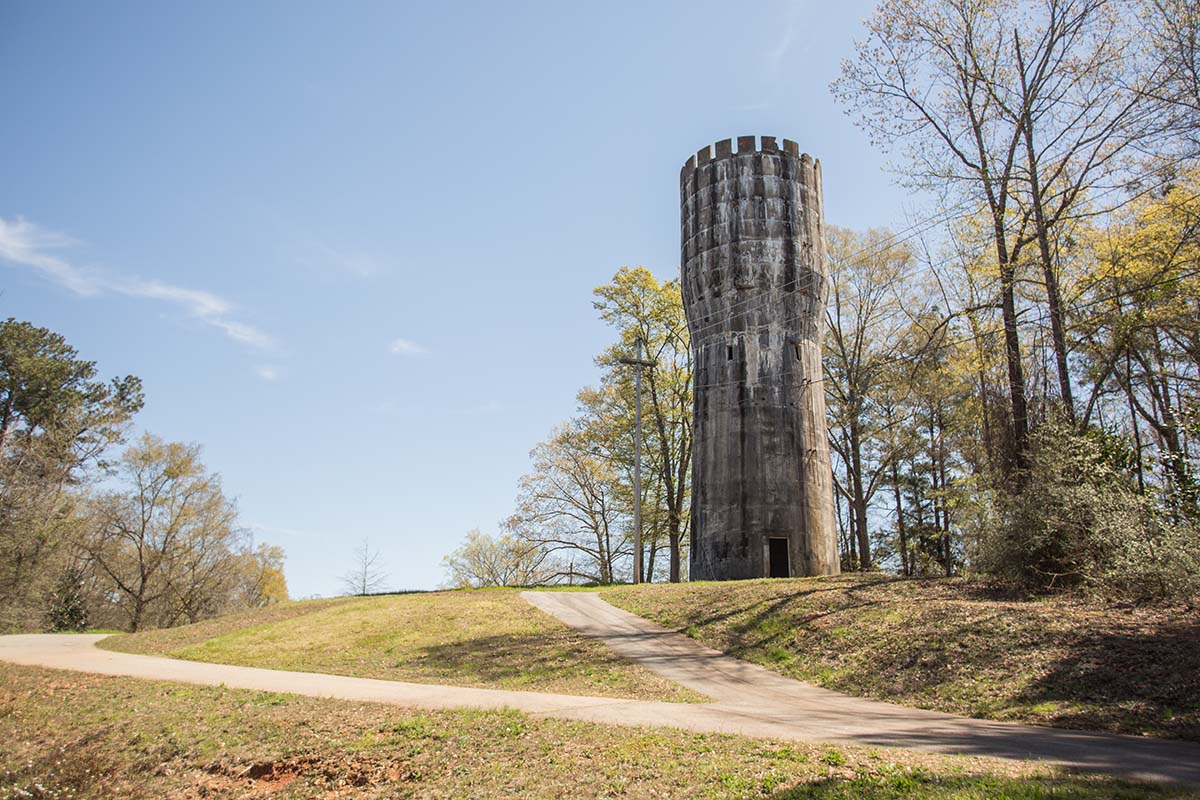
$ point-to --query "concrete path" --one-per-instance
(754, 701)
(751, 701)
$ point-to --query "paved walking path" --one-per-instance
(755, 701)
(750, 700)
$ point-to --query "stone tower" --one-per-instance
(754, 288)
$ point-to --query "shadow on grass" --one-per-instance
(969, 649)
(927, 787)
(512, 660)
(1152, 677)
(769, 606)
(766, 623)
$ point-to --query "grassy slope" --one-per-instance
(949, 645)
(85, 736)
(168, 640)
(488, 638)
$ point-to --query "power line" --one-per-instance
(1041, 318)
(916, 229)
(920, 227)
(899, 237)
(943, 262)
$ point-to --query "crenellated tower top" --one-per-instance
(746, 145)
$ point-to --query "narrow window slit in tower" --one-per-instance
(729, 352)
(796, 348)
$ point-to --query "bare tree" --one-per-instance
(868, 310)
(366, 576)
(165, 546)
(1173, 39)
(568, 506)
(924, 79)
(1026, 107)
(1080, 98)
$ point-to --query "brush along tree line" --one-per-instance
(1013, 383)
(148, 539)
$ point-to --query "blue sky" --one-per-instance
(350, 248)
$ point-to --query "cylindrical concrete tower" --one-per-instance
(754, 288)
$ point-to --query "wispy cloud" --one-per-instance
(267, 373)
(197, 301)
(360, 265)
(406, 347)
(330, 253)
(25, 244)
(243, 333)
(787, 37)
(22, 242)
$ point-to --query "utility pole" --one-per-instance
(637, 459)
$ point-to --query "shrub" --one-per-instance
(66, 605)
(1078, 521)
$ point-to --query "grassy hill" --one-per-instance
(939, 644)
(71, 735)
(949, 645)
(953, 646)
(490, 639)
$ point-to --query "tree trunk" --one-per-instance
(135, 619)
(1012, 352)
(905, 569)
(1137, 432)
(851, 520)
(1057, 329)
(1042, 231)
(941, 446)
(674, 537)
(859, 501)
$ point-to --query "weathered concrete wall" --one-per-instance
(754, 288)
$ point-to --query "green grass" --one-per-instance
(953, 646)
(71, 735)
(490, 639)
(167, 640)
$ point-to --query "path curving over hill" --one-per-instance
(750, 700)
(763, 703)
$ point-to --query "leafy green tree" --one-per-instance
(1140, 337)
(56, 422)
(643, 309)
(67, 603)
